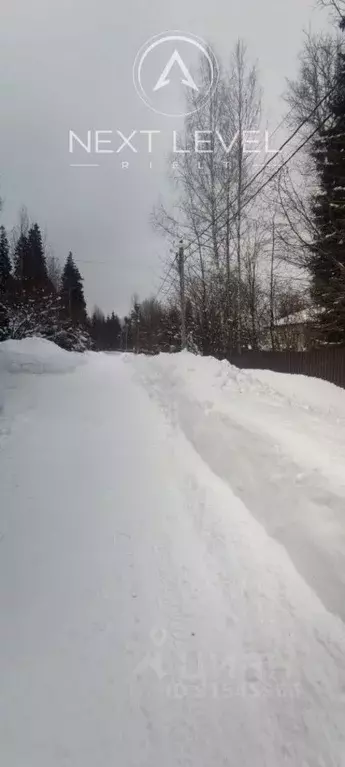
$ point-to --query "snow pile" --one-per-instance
(36, 355)
(305, 417)
(310, 393)
(282, 454)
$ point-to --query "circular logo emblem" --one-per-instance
(175, 74)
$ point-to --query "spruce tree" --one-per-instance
(72, 292)
(22, 268)
(36, 256)
(5, 263)
(30, 262)
(327, 263)
(114, 331)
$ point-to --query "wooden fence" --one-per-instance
(327, 363)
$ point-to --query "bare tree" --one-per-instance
(54, 271)
(316, 79)
(21, 228)
(210, 187)
(337, 8)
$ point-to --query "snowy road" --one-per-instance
(149, 616)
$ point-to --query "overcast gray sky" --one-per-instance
(67, 64)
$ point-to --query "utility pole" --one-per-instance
(239, 238)
(180, 257)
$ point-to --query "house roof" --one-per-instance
(304, 317)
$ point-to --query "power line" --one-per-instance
(87, 261)
(256, 176)
(167, 275)
(283, 120)
(268, 181)
(285, 143)
(105, 263)
(165, 279)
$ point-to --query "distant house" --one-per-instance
(296, 331)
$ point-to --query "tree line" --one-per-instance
(39, 298)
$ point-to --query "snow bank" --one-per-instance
(36, 355)
(279, 443)
(304, 416)
(210, 376)
(313, 393)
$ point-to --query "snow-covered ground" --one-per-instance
(172, 572)
(279, 442)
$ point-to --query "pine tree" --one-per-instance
(105, 331)
(127, 335)
(21, 258)
(5, 263)
(135, 318)
(36, 258)
(172, 329)
(31, 304)
(97, 328)
(327, 263)
(113, 331)
(30, 262)
(72, 292)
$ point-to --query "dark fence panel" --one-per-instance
(327, 363)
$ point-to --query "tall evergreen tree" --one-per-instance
(29, 260)
(37, 261)
(22, 268)
(5, 263)
(72, 292)
(113, 331)
(105, 331)
(327, 263)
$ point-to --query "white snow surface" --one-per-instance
(172, 573)
(36, 355)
